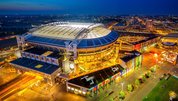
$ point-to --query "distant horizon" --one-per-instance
(89, 7)
(56, 13)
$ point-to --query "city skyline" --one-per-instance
(90, 7)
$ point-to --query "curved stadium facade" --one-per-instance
(67, 48)
(85, 56)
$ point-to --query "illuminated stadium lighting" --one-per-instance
(80, 25)
(77, 26)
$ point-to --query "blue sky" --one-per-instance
(96, 7)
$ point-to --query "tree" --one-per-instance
(137, 82)
(172, 95)
(121, 94)
(148, 74)
(153, 69)
(130, 87)
(111, 99)
(143, 78)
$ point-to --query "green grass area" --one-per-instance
(160, 93)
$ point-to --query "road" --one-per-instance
(150, 83)
(14, 86)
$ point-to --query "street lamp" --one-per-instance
(156, 57)
(71, 66)
(122, 84)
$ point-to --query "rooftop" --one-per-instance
(35, 65)
(136, 38)
(44, 52)
(98, 77)
(55, 55)
(69, 31)
(120, 24)
(85, 43)
(36, 50)
(174, 35)
(86, 35)
(128, 55)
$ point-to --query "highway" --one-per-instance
(14, 86)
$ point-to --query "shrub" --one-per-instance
(130, 87)
(121, 94)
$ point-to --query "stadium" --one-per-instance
(169, 41)
(66, 49)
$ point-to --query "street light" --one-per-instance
(122, 84)
(156, 56)
(71, 66)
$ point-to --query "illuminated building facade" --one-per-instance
(120, 26)
(93, 83)
(136, 41)
(66, 48)
(78, 53)
(169, 41)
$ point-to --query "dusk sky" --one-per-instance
(90, 7)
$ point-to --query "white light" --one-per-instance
(76, 90)
(71, 66)
(84, 92)
(72, 88)
(68, 87)
(79, 91)
(77, 25)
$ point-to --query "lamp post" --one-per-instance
(156, 57)
(122, 84)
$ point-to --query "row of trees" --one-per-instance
(131, 87)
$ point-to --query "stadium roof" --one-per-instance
(35, 65)
(69, 31)
(85, 43)
(98, 77)
(120, 24)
